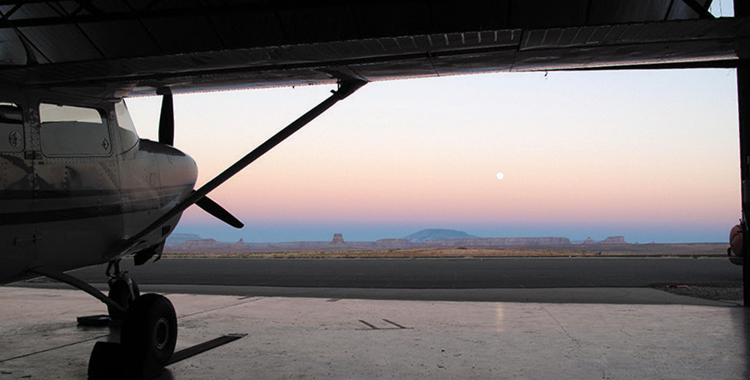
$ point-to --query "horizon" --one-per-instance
(649, 155)
(470, 236)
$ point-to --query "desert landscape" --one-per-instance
(434, 243)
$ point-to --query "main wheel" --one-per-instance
(149, 330)
(119, 291)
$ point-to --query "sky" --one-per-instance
(649, 155)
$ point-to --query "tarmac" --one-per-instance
(287, 334)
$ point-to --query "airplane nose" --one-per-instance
(189, 168)
(178, 171)
(186, 171)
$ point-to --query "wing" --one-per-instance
(134, 47)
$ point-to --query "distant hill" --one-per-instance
(175, 239)
(434, 234)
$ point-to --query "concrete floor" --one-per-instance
(319, 338)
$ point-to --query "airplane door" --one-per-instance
(77, 186)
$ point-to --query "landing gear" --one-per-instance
(148, 337)
(148, 333)
(122, 289)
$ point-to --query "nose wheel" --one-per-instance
(148, 332)
(148, 337)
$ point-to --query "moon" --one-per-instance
(500, 175)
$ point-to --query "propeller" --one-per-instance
(166, 120)
(218, 212)
(166, 136)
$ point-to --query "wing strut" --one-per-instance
(345, 89)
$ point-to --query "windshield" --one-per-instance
(125, 126)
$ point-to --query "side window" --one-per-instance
(125, 127)
(67, 131)
(11, 128)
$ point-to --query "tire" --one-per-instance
(149, 330)
(119, 291)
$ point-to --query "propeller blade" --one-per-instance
(218, 212)
(166, 120)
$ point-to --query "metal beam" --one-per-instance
(741, 9)
(743, 108)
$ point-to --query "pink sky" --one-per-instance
(649, 155)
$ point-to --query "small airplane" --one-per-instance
(83, 190)
(78, 187)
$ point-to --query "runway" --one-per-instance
(486, 273)
(548, 280)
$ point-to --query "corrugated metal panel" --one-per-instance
(584, 36)
(109, 6)
(11, 49)
(540, 14)
(248, 30)
(34, 10)
(183, 34)
(618, 11)
(119, 39)
(383, 19)
(311, 24)
(69, 7)
(61, 43)
(615, 34)
(626, 34)
(474, 63)
(449, 16)
(164, 4)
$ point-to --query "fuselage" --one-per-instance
(76, 182)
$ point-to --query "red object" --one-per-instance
(735, 245)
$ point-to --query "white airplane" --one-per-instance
(79, 188)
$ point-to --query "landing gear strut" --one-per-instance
(122, 289)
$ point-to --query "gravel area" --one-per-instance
(719, 291)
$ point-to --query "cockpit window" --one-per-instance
(126, 128)
(11, 128)
(10, 113)
(73, 131)
(56, 113)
